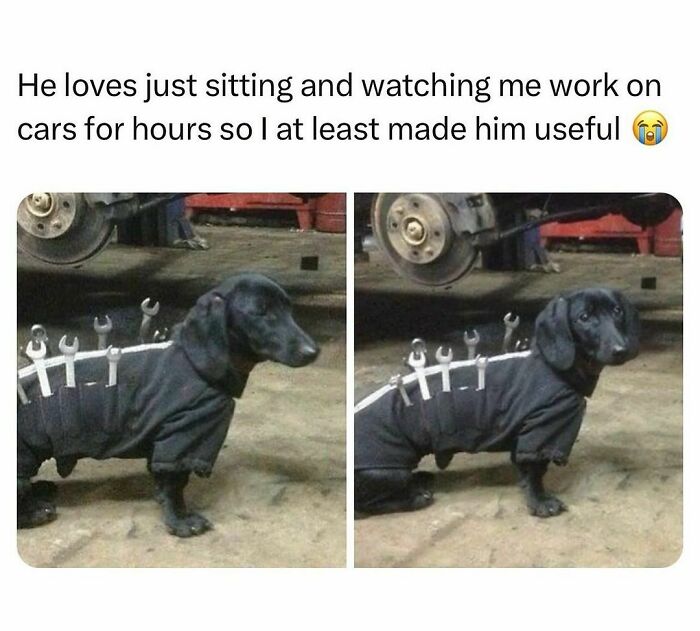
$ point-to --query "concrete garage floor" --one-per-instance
(623, 484)
(277, 494)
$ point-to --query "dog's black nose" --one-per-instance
(619, 352)
(309, 352)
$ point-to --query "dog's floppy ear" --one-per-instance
(631, 324)
(204, 336)
(553, 335)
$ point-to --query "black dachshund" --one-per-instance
(532, 406)
(172, 403)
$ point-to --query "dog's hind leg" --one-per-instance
(539, 502)
(33, 508)
(170, 494)
(389, 491)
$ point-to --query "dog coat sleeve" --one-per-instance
(549, 432)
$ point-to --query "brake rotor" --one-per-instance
(415, 231)
(60, 228)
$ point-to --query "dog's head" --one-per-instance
(599, 326)
(246, 319)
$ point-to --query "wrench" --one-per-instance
(102, 330)
(481, 367)
(512, 323)
(39, 334)
(113, 356)
(471, 343)
(416, 360)
(397, 382)
(159, 337)
(148, 314)
(444, 360)
(69, 351)
(522, 345)
(21, 393)
(38, 356)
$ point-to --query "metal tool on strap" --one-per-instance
(38, 356)
(512, 323)
(522, 345)
(103, 331)
(69, 351)
(416, 360)
(444, 360)
(161, 336)
(471, 343)
(113, 356)
(397, 382)
(481, 363)
(39, 334)
(148, 314)
(24, 399)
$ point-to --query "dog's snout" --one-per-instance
(619, 351)
(309, 351)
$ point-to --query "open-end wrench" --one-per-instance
(24, 399)
(522, 345)
(39, 334)
(416, 360)
(444, 360)
(481, 362)
(512, 323)
(38, 356)
(102, 330)
(471, 343)
(113, 356)
(397, 382)
(159, 336)
(148, 314)
(69, 351)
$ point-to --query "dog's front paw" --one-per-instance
(422, 498)
(546, 506)
(36, 513)
(188, 526)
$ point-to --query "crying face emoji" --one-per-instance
(650, 127)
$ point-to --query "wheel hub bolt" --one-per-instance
(42, 201)
(415, 230)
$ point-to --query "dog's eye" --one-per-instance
(584, 317)
(617, 311)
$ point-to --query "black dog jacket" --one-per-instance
(173, 405)
(527, 408)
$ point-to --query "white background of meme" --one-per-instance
(323, 39)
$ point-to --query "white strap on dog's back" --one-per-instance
(60, 360)
(432, 370)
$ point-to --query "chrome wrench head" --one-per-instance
(512, 322)
(113, 355)
(161, 336)
(418, 346)
(102, 329)
(68, 349)
(39, 333)
(443, 358)
(39, 353)
(473, 340)
(416, 361)
(150, 311)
